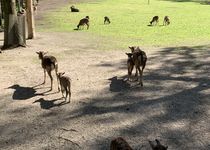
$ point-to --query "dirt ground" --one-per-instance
(173, 106)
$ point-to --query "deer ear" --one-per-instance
(130, 47)
(38, 53)
(157, 141)
(129, 54)
(63, 73)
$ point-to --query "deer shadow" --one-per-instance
(48, 104)
(24, 93)
(118, 85)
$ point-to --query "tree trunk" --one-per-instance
(30, 19)
(13, 36)
(0, 16)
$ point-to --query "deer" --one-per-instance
(137, 58)
(48, 64)
(120, 144)
(154, 19)
(73, 9)
(130, 65)
(106, 19)
(84, 21)
(158, 145)
(166, 21)
(65, 84)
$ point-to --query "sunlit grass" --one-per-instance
(129, 21)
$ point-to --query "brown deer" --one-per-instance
(139, 58)
(65, 83)
(155, 20)
(106, 19)
(48, 63)
(166, 21)
(130, 65)
(73, 9)
(119, 144)
(158, 146)
(84, 21)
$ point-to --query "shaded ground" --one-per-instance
(173, 105)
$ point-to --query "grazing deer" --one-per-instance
(119, 144)
(84, 21)
(155, 20)
(106, 19)
(48, 64)
(73, 9)
(139, 59)
(65, 83)
(166, 21)
(158, 146)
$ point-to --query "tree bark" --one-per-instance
(30, 19)
(13, 36)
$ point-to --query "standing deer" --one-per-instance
(158, 146)
(130, 65)
(139, 58)
(65, 83)
(49, 63)
(155, 20)
(106, 19)
(166, 21)
(84, 21)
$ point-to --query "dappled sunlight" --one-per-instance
(177, 125)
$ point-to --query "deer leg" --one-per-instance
(136, 74)
(56, 72)
(62, 91)
(140, 73)
(51, 78)
(66, 93)
(69, 89)
(44, 76)
(87, 25)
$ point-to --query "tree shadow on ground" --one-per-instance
(173, 106)
(173, 103)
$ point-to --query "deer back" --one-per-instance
(49, 62)
(120, 144)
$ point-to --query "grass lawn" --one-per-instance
(190, 22)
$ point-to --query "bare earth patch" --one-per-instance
(173, 105)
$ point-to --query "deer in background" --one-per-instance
(49, 63)
(166, 21)
(73, 9)
(65, 83)
(106, 19)
(84, 21)
(155, 20)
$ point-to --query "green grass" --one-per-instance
(190, 22)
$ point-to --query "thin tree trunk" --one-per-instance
(0, 15)
(30, 19)
(13, 36)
